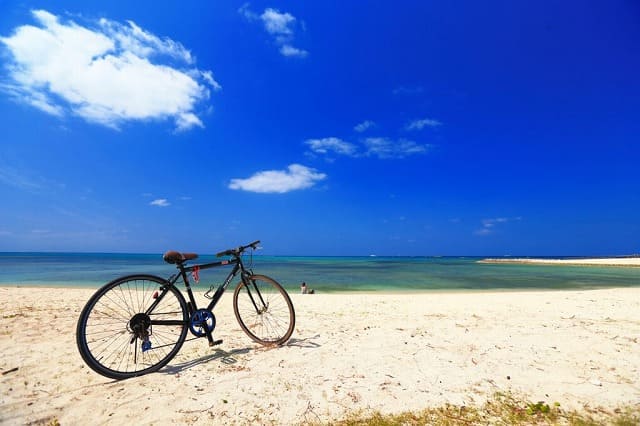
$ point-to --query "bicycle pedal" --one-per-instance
(215, 342)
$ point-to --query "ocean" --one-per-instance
(323, 274)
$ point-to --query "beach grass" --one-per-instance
(501, 409)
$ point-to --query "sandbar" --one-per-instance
(595, 261)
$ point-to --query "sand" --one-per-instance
(350, 352)
(596, 261)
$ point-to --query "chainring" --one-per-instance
(200, 321)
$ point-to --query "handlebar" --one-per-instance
(238, 251)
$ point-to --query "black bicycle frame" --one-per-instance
(184, 270)
(192, 306)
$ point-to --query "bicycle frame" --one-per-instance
(192, 306)
(184, 270)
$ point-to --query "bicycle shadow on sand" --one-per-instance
(228, 357)
(307, 342)
(225, 357)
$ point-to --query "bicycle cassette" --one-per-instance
(201, 320)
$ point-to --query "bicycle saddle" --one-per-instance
(173, 256)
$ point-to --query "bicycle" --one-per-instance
(136, 324)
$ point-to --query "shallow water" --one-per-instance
(325, 274)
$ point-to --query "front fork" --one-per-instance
(260, 305)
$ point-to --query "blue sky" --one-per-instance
(321, 128)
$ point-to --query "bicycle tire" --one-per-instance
(264, 310)
(105, 336)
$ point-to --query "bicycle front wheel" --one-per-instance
(264, 310)
(132, 326)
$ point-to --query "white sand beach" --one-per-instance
(596, 261)
(349, 352)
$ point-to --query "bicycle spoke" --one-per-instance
(264, 310)
(116, 315)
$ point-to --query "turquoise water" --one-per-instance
(324, 274)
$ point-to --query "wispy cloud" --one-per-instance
(380, 147)
(361, 127)
(489, 225)
(248, 14)
(390, 148)
(40, 231)
(27, 180)
(408, 90)
(132, 38)
(279, 181)
(160, 202)
(331, 145)
(422, 123)
(105, 72)
(280, 25)
(12, 177)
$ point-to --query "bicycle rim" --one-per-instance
(264, 310)
(109, 332)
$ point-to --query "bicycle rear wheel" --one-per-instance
(264, 310)
(132, 326)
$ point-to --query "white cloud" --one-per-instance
(361, 127)
(106, 72)
(287, 50)
(280, 25)
(279, 181)
(160, 202)
(483, 231)
(327, 145)
(421, 124)
(388, 148)
(489, 225)
(276, 22)
(208, 77)
(186, 121)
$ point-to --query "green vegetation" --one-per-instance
(502, 409)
